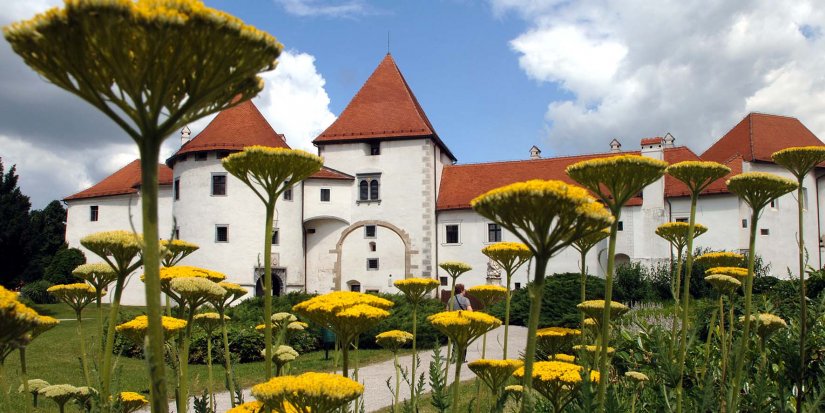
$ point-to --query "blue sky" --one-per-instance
(494, 76)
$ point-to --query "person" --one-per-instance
(460, 300)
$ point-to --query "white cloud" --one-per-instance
(325, 8)
(636, 68)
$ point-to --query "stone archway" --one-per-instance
(405, 238)
(278, 277)
(621, 259)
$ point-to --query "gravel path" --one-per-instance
(374, 376)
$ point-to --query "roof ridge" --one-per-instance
(337, 171)
(584, 155)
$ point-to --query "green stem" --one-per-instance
(686, 301)
(270, 212)
(449, 341)
(3, 388)
(604, 335)
(183, 361)
(345, 356)
(397, 382)
(209, 369)
(739, 360)
(149, 152)
(227, 359)
(803, 301)
(24, 374)
(536, 291)
(583, 288)
(106, 366)
(99, 340)
(84, 363)
(506, 316)
(676, 295)
(722, 338)
(413, 398)
(457, 379)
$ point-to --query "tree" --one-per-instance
(46, 233)
(14, 222)
(59, 270)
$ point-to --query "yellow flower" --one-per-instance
(563, 357)
(131, 401)
(735, 272)
(195, 290)
(118, 248)
(455, 268)
(723, 283)
(547, 215)
(344, 312)
(175, 250)
(273, 169)
(59, 393)
(77, 295)
(167, 274)
(487, 294)
(800, 160)
(99, 275)
(587, 242)
(676, 233)
(233, 293)
(720, 259)
(592, 349)
(556, 380)
(209, 321)
(309, 392)
(135, 329)
(554, 340)
(636, 376)
(615, 180)
(415, 289)
(393, 340)
(34, 386)
(495, 373)
(594, 309)
(759, 188)
(44, 323)
(16, 320)
(766, 324)
(509, 255)
(248, 407)
(697, 175)
(463, 327)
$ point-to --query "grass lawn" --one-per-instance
(54, 356)
(467, 394)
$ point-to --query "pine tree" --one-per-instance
(47, 231)
(14, 223)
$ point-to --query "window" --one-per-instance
(93, 213)
(620, 226)
(451, 233)
(681, 220)
(369, 188)
(443, 281)
(324, 194)
(221, 233)
(518, 286)
(200, 156)
(744, 223)
(765, 231)
(276, 236)
(288, 194)
(176, 189)
(493, 233)
(222, 154)
(375, 148)
(355, 287)
(218, 184)
(372, 246)
(775, 203)
(369, 231)
(372, 264)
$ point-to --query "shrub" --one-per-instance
(631, 282)
(558, 308)
(36, 292)
(59, 270)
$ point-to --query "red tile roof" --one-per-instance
(124, 181)
(329, 173)
(461, 183)
(384, 108)
(652, 141)
(233, 129)
(758, 136)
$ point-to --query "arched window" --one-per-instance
(374, 190)
(363, 190)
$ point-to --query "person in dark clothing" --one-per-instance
(460, 301)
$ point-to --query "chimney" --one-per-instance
(535, 152)
(669, 139)
(615, 146)
(185, 134)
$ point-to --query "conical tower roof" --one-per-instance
(385, 108)
(233, 129)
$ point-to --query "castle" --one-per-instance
(391, 201)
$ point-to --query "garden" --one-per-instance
(710, 331)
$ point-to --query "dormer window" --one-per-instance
(374, 148)
(200, 156)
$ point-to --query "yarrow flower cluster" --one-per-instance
(176, 250)
(131, 401)
(487, 294)
(725, 284)
(17, 321)
(766, 324)
(415, 289)
(135, 329)
(616, 179)
(557, 380)
(800, 160)
(59, 393)
(123, 246)
(720, 259)
(393, 340)
(495, 373)
(555, 340)
(636, 376)
(463, 327)
(676, 233)
(507, 254)
(759, 188)
(98, 275)
(697, 175)
(594, 309)
(248, 407)
(77, 295)
(309, 392)
(735, 272)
